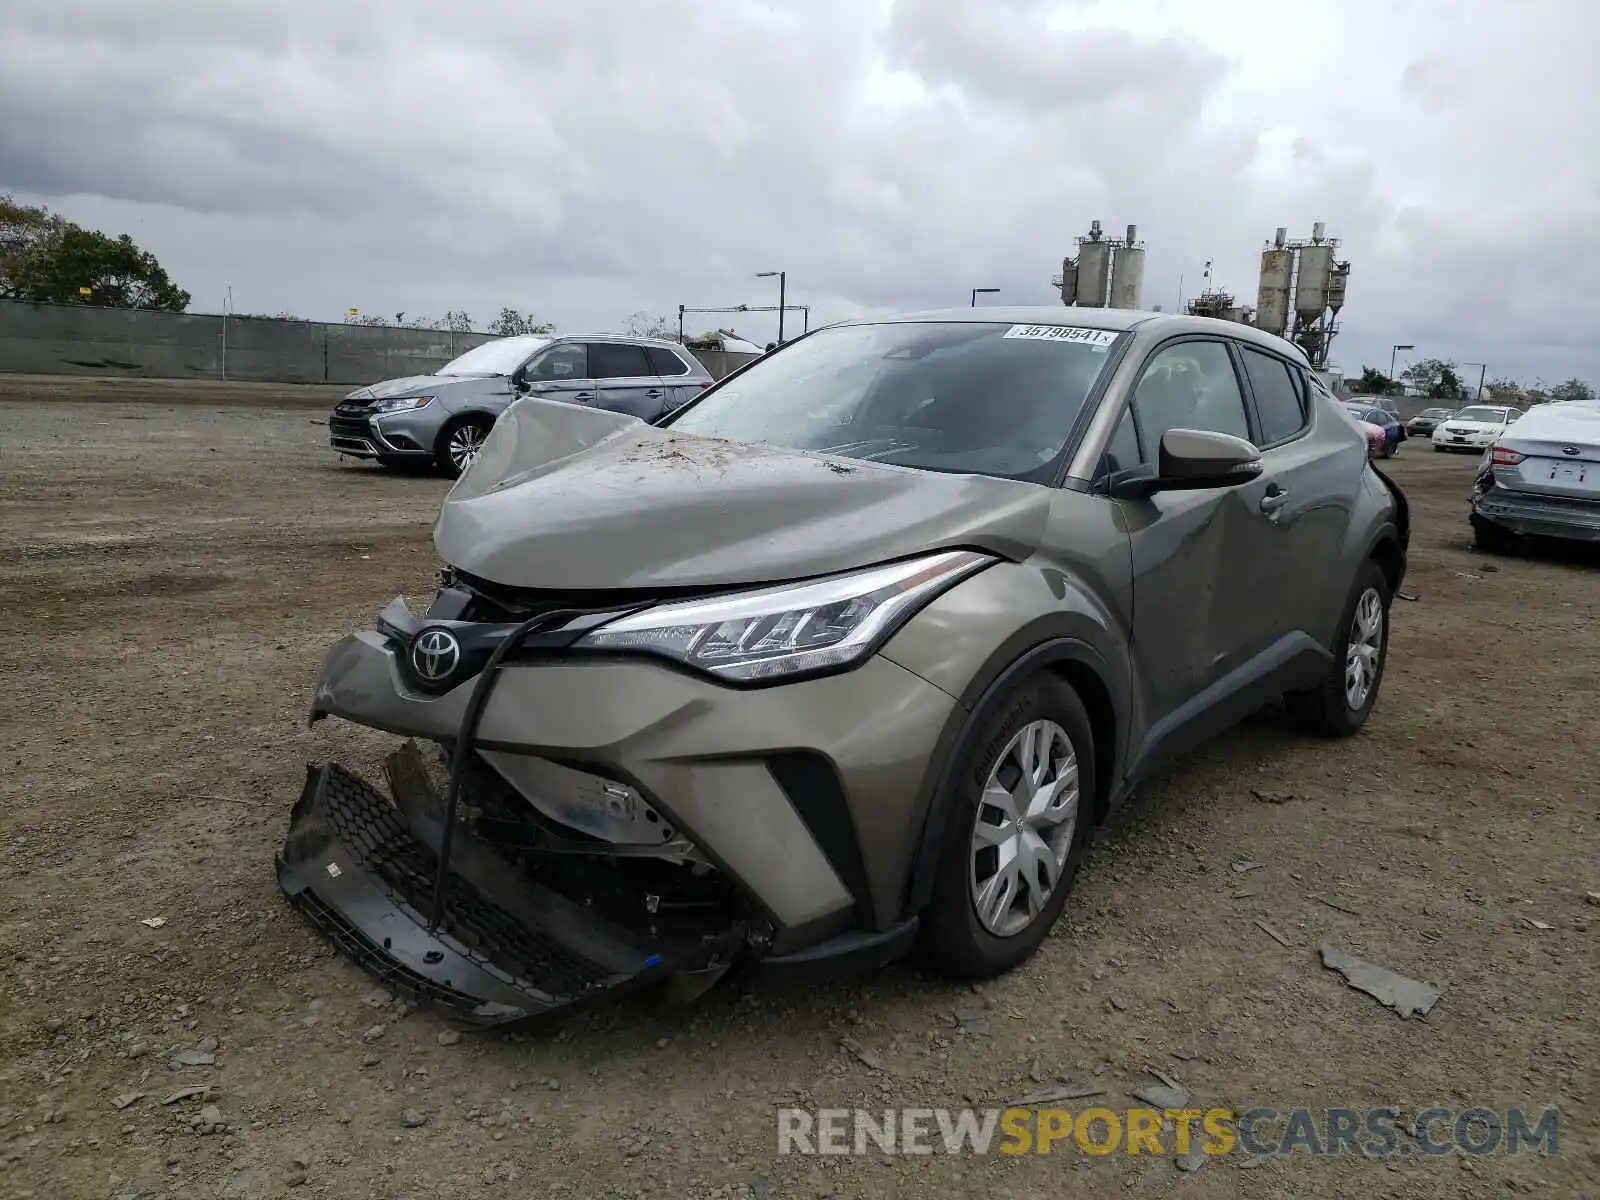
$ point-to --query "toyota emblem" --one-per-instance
(435, 655)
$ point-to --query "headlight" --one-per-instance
(401, 404)
(778, 632)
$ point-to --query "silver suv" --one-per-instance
(443, 418)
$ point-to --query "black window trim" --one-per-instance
(1296, 376)
(1105, 481)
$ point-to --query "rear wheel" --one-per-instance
(459, 443)
(1340, 704)
(1015, 834)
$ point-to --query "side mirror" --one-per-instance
(519, 379)
(1196, 459)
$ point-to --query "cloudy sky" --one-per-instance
(589, 160)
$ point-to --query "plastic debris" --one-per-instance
(1070, 1091)
(154, 922)
(1408, 997)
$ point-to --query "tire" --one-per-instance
(1492, 539)
(955, 938)
(449, 450)
(1329, 708)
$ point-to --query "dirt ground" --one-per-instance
(174, 562)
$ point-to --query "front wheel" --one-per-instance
(1015, 834)
(459, 443)
(1341, 703)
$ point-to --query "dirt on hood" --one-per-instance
(566, 497)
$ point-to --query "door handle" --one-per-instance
(1273, 501)
(583, 395)
(654, 393)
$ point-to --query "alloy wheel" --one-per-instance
(1024, 829)
(1361, 656)
(464, 445)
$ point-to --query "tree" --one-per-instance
(46, 259)
(642, 324)
(1572, 389)
(510, 323)
(25, 232)
(1503, 390)
(1435, 378)
(1373, 382)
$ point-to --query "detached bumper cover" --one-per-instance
(1539, 516)
(502, 952)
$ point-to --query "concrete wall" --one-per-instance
(42, 339)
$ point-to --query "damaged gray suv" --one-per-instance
(843, 659)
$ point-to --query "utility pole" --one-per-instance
(783, 284)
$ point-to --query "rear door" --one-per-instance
(625, 380)
(677, 380)
(1309, 479)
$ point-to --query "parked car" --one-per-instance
(443, 418)
(1476, 427)
(1541, 478)
(844, 657)
(1393, 432)
(1426, 421)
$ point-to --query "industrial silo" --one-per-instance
(1336, 282)
(1272, 296)
(1069, 281)
(1127, 272)
(1094, 272)
(1311, 281)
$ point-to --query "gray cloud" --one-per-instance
(587, 161)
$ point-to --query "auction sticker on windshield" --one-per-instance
(1098, 338)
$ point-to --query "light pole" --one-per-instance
(976, 292)
(1483, 371)
(1393, 350)
(783, 285)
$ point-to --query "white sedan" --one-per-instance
(1474, 428)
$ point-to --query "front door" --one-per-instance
(626, 381)
(561, 372)
(1198, 608)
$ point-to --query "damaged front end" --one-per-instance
(517, 887)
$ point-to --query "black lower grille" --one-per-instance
(351, 427)
(375, 832)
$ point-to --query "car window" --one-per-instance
(614, 360)
(567, 361)
(1278, 404)
(665, 362)
(1190, 385)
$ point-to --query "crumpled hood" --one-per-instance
(417, 385)
(565, 497)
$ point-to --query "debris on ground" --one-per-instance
(1070, 1091)
(867, 1055)
(1036, 1071)
(449, 1037)
(1409, 596)
(1534, 923)
(154, 922)
(1272, 933)
(1407, 997)
(1169, 1093)
(1270, 797)
(413, 1118)
(973, 1021)
(193, 1057)
(127, 1099)
(188, 1093)
(1242, 866)
(1332, 904)
(1594, 897)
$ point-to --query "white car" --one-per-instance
(1474, 428)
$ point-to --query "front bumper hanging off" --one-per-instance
(506, 949)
